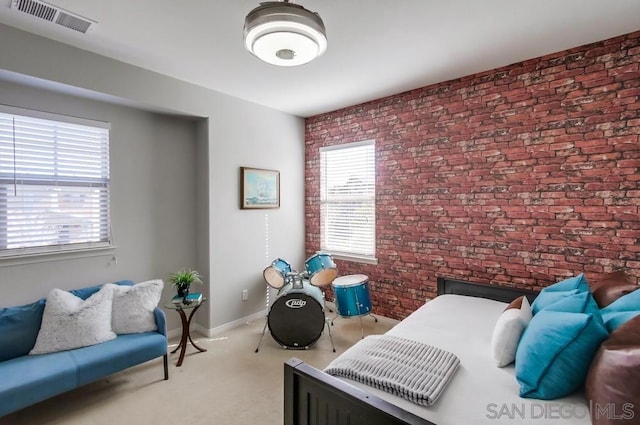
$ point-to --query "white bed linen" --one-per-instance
(480, 392)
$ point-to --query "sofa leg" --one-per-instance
(166, 367)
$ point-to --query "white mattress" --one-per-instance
(480, 392)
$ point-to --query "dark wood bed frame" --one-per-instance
(312, 397)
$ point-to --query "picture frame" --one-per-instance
(259, 188)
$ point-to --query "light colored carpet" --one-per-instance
(229, 384)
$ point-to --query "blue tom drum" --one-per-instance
(276, 274)
(352, 295)
(321, 269)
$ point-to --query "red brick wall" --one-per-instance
(518, 176)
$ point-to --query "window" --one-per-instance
(347, 198)
(54, 183)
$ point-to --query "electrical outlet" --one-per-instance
(245, 295)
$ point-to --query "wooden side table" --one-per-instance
(182, 308)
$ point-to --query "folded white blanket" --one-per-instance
(408, 369)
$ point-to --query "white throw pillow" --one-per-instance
(508, 330)
(70, 322)
(133, 307)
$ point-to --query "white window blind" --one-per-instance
(54, 184)
(347, 197)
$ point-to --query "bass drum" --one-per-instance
(296, 318)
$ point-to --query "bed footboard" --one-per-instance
(312, 397)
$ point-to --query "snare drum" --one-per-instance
(321, 268)
(352, 295)
(276, 274)
(296, 318)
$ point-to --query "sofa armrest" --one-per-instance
(161, 321)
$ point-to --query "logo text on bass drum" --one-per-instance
(295, 303)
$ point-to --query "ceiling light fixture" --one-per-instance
(284, 34)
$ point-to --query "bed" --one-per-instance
(460, 320)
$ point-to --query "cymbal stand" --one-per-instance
(264, 329)
(328, 323)
(266, 320)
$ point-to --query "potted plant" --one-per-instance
(183, 279)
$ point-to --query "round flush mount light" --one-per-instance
(284, 34)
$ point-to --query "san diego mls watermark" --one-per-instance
(561, 411)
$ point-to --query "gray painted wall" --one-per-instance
(229, 242)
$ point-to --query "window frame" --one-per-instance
(339, 254)
(21, 255)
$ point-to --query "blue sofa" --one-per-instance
(28, 379)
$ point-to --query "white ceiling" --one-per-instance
(376, 48)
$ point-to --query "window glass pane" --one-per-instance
(54, 184)
(347, 198)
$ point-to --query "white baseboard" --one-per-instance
(210, 333)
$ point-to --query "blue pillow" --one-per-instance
(555, 352)
(621, 310)
(578, 283)
(582, 302)
(19, 327)
(559, 290)
(614, 319)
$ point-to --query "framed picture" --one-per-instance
(259, 188)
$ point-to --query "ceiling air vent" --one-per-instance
(48, 12)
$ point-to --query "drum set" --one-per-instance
(296, 318)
